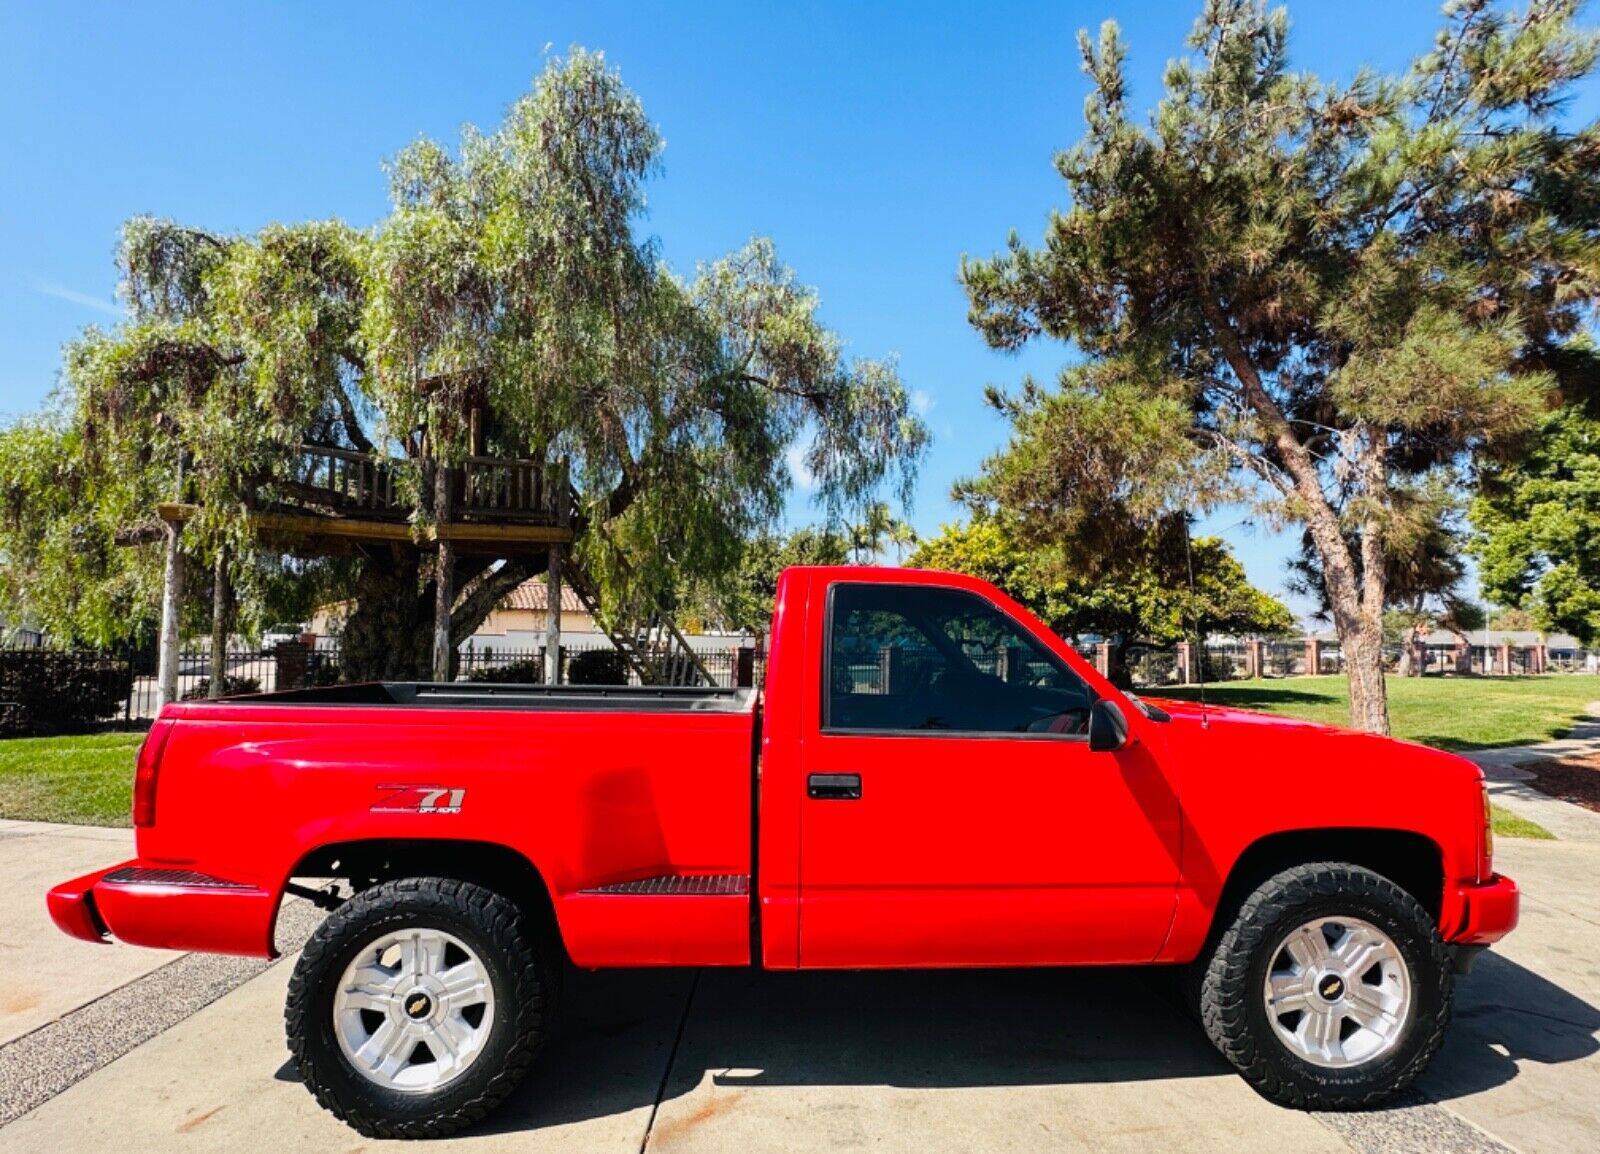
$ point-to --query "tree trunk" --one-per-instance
(220, 607)
(1356, 601)
(1363, 667)
(387, 636)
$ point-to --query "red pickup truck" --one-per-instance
(929, 778)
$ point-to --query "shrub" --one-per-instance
(324, 671)
(528, 671)
(597, 667)
(231, 687)
(53, 691)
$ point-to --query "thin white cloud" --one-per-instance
(921, 402)
(798, 469)
(72, 296)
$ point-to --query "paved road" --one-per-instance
(737, 1061)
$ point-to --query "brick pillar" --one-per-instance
(291, 659)
(1185, 663)
(1254, 658)
(1102, 658)
(1504, 658)
(1463, 658)
(1541, 659)
(1313, 656)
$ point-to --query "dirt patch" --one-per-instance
(1574, 779)
(18, 1001)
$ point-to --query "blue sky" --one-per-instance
(874, 144)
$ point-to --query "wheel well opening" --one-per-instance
(1410, 860)
(495, 867)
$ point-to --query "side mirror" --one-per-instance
(1108, 728)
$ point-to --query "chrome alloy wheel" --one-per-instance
(1338, 992)
(413, 1010)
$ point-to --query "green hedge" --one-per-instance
(52, 691)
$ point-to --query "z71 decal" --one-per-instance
(419, 799)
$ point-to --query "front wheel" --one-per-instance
(417, 1007)
(1330, 990)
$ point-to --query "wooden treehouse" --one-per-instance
(337, 498)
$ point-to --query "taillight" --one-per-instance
(1486, 850)
(145, 773)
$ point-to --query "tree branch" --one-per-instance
(488, 591)
(352, 423)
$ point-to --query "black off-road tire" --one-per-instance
(525, 982)
(1231, 979)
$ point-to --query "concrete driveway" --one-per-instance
(1040, 1060)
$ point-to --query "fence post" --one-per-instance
(1253, 659)
(744, 673)
(1504, 658)
(1102, 658)
(1185, 663)
(1313, 656)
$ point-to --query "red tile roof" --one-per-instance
(534, 594)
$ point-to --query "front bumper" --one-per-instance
(1476, 915)
(148, 904)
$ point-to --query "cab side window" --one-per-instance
(918, 658)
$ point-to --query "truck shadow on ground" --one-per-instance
(632, 1037)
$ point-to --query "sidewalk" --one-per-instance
(48, 973)
(1508, 782)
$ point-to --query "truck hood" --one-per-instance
(1293, 736)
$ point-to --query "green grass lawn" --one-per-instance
(1451, 713)
(1508, 824)
(83, 780)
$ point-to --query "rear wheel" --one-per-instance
(417, 1007)
(1330, 989)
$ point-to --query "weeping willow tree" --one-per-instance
(510, 279)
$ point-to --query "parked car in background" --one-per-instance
(277, 634)
(929, 778)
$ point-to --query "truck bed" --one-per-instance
(496, 695)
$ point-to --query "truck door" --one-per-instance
(953, 814)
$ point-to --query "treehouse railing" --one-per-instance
(345, 480)
(354, 483)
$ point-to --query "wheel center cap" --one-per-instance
(1331, 987)
(418, 1005)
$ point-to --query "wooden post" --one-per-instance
(171, 608)
(219, 624)
(444, 594)
(552, 585)
(552, 618)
